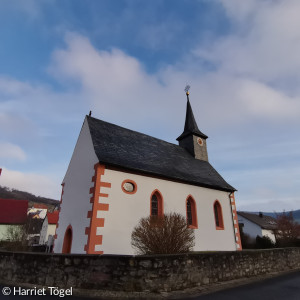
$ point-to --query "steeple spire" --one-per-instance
(190, 126)
(192, 139)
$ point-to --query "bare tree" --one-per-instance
(16, 238)
(287, 232)
(163, 235)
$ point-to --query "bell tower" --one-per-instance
(192, 139)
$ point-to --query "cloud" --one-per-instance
(258, 60)
(35, 183)
(11, 151)
(31, 9)
(265, 44)
(28, 109)
(250, 92)
(113, 83)
(266, 188)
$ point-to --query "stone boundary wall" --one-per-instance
(160, 273)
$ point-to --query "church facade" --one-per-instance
(117, 176)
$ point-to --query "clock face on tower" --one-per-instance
(199, 141)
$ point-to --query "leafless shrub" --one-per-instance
(163, 235)
(15, 238)
(287, 232)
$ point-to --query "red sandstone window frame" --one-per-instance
(192, 201)
(67, 244)
(160, 203)
(219, 218)
(134, 186)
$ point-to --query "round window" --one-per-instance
(129, 186)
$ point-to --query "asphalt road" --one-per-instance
(285, 287)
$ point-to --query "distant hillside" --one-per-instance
(7, 193)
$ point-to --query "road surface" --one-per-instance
(284, 287)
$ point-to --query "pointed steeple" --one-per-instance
(192, 139)
(190, 126)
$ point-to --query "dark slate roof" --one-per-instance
(190, 126)
(265, 222)
(120, 147)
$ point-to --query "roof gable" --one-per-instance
(265, 222)
(120, 147)
(53, 217)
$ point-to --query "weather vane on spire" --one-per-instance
(186, 89)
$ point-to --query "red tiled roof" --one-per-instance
(13, 211)
(52, 217)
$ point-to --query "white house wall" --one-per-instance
(125, 210)
(75, 199)
(43, 234)
(50, 230)
(270, 234)
(250, 228)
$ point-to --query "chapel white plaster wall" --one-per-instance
(76, 197)
(125, 210)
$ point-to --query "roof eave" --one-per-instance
(214, 187)
(185, 134)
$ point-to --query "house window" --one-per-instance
(156, 205)
(191, 212)
(218, 215)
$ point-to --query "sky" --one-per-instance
(128, 61)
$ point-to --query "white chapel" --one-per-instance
(117, 176)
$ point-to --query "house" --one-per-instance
(257, 224)
(48, 228)
(34, 228)
(117, 176)
(13, 215)
(52, 222)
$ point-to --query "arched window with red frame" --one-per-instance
(156, 204)
(191, 212)
(67, 245)
(218, 215)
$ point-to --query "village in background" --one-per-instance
(28, 223)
